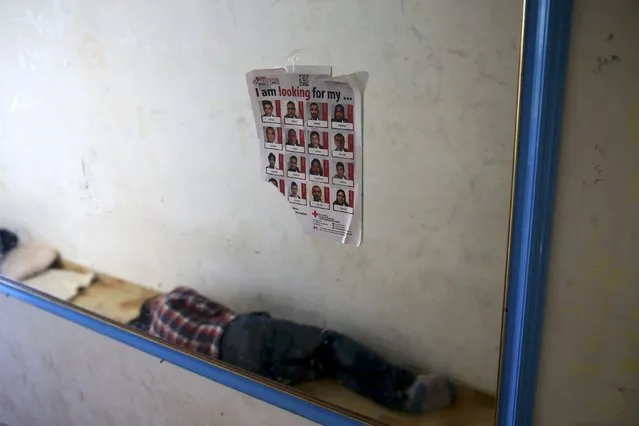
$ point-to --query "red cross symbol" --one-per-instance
(315, 214)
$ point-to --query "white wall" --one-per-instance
(590, 352)
(128, 143)
(56, 373)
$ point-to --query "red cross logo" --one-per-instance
(315, 214)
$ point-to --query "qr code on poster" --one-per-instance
(304, 80)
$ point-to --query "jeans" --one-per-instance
(293, 353)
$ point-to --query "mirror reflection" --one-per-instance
(320, 361)
(129, 187)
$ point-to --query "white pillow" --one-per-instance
(26, 261)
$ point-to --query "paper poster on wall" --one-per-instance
(309, 128)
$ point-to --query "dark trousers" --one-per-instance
(292, 353)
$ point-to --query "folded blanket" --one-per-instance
(61, 283)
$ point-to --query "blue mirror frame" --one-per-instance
(544, 58)
(544, 55)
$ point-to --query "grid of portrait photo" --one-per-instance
(309, 151)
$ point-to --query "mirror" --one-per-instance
(128, 176)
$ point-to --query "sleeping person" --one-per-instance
(254, 342)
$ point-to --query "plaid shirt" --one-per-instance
(186, 318)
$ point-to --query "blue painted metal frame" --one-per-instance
(546, 34)
(545, 55)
